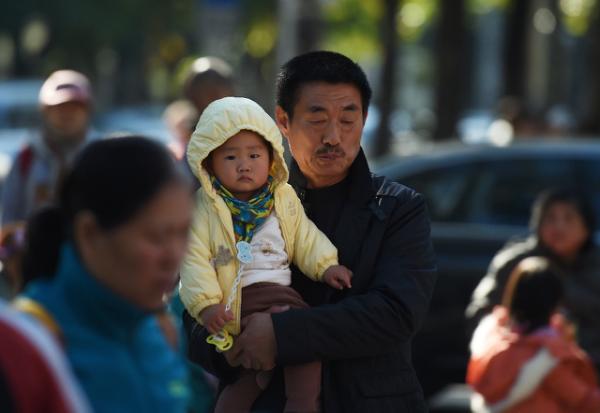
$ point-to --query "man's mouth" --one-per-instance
(329, 156)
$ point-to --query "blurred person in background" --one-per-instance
(99, 263)
(12, 237)
(35, 377)
(209, 79)
(180, 117)
(563, 225)
(522, 357)
(66, 106)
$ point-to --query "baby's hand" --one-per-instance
(338, 277)
(214, 317)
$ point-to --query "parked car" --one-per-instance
(478, 198)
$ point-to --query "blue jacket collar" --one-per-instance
(92, 300)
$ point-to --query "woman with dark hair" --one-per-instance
(562, 225)
(522, 359)
(99, 264)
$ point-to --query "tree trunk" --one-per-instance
(515, 46)
(451, 68)
(310, 26)
(387, 83)
(590, 124)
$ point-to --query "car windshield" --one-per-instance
(500, 192)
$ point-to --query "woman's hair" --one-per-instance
(533, 292)
(113, 179)
(578, 200)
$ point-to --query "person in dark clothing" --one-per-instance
(362, 335)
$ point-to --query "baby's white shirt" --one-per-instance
(270, 263)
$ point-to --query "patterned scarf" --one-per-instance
(247, 216)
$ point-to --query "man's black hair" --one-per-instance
(319, 66)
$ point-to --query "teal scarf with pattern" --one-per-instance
(247, 215)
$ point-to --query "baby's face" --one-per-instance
(242, 164)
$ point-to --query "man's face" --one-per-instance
(324, 134)
(68, 120)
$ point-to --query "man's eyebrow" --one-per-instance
(316, 109)
(352, 107)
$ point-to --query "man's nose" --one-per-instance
(332, 135)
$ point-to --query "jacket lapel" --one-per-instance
(355, 220)
(356, 214)
(350, 233)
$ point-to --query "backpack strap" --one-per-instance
(33, 308)
(25, 160)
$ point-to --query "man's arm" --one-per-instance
(388, 313)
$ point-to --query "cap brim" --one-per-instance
(64, 96)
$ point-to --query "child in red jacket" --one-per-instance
(523, 355)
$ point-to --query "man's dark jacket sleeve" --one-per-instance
(388, 311)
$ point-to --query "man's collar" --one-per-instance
(361, 188)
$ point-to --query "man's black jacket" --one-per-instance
(363, 334)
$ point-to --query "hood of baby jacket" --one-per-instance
(221, 120)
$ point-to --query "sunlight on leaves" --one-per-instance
(414, 17)
(576, 15)
(486, 6)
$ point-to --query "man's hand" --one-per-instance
(256, 347)
(214, 317)
(338, 277)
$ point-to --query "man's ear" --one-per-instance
(283, 120)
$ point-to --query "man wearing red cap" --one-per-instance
(65, 103)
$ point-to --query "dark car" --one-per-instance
(479, 197)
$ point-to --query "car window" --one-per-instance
(505, 190)
(500, 191)
(588, 177)
(444, 189)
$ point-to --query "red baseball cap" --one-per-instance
(65, 86)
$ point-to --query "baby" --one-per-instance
(249, 226)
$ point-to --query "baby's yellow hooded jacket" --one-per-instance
(210, 266)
